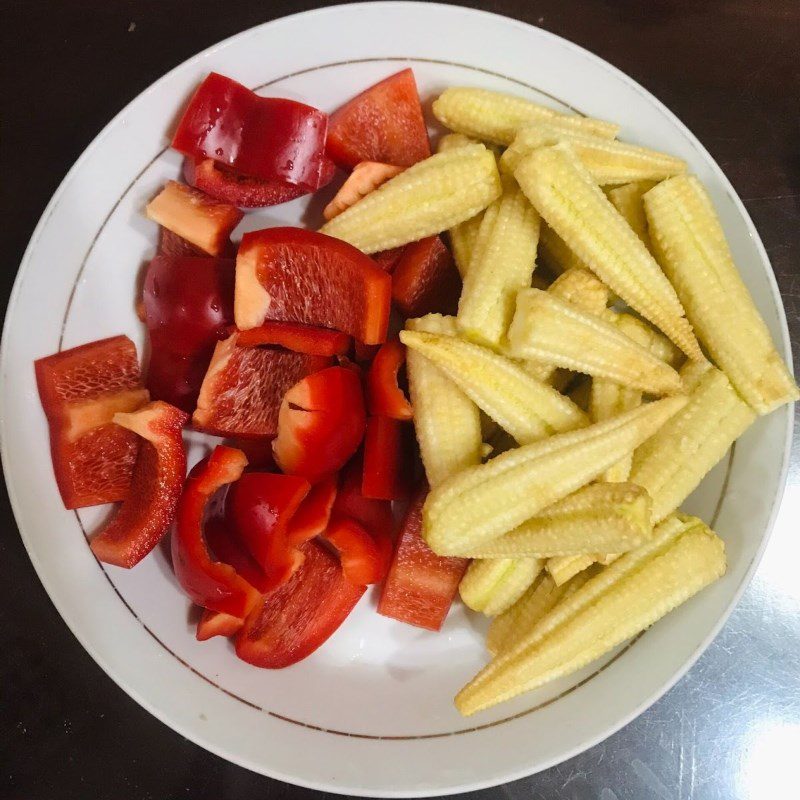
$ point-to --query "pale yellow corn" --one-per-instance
(554, 253)
(600, 518)
(628, 201)
(690, 244)
(492, 585)
(658, 345)
(502, 263)
(537, 601)
(564, 568)
(430, 197)
(608, 161)
(548, 329)
(446, 422)
(486, 501)
(672, 463)
(623, 600)
(565, 194)
(498, 117)
(528, 409)
(463, 235)
(607, 400)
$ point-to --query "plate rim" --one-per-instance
(775, 506)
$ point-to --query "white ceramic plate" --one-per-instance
(370, 713)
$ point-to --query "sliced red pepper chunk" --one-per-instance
(260, 506)
(312, 518)
(299, 338)
(383, 123)
(215, 623)
(212, 584)
(320, 424)
(362, 560)
(225, 546)
(374, 515)
(244, 191)
(426, 280)
(294, 620)
(201, 220)
(188, 306)
(420, 586)
(388, 260)
(146, 514)
(264, 137)
(81, 389)
(384, 396)
(383, 459)
(295, 275)
(244, 387)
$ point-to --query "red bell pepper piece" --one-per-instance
(260, 506)
(363, 560)
(383, 457)
(383, 123)
(295, 275)
(243, 388)
(244, 191)
(312, 518)
(420, 586)
(212, 584)
(258, 452)
(226, 547)
(81, 389)
(170, 244)
(374, 515)
(426, 280)
(388, 260)
(320, 424)
(201, 220)
(299, 338)
(264, 137)
(215, 623)
(188, 306)
(146, 514)
(294, 620)
(384, 396)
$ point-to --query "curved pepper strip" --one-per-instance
(363, 559)
(385, 398)
(211, 584)
(145, 516)
(383, 456)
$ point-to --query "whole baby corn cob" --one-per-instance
(565, 194)
(690, 244)
(600, 518)
(427, 198)
(446, 421)
(502, 263)
(628, 201)
(548, 329)
(525, 407)
(609, 161)
(624, 599)
(494, 584)
(672, 463)
(463, 235)
(497, 117)
(486, 501)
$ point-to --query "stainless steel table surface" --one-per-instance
(730, 730)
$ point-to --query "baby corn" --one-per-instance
(608, 161)
(430, 197)
(492, 585)
(628, 201)
(502, 263)
(528, 409)
(690, 244)
(486, 501)
(463, 235)
(565, 194)
(520, 618)
(600, 518)
(564, 568)
(548, 329)
(497, 117)
(624, 599)
(446, 421)
(672, 463)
